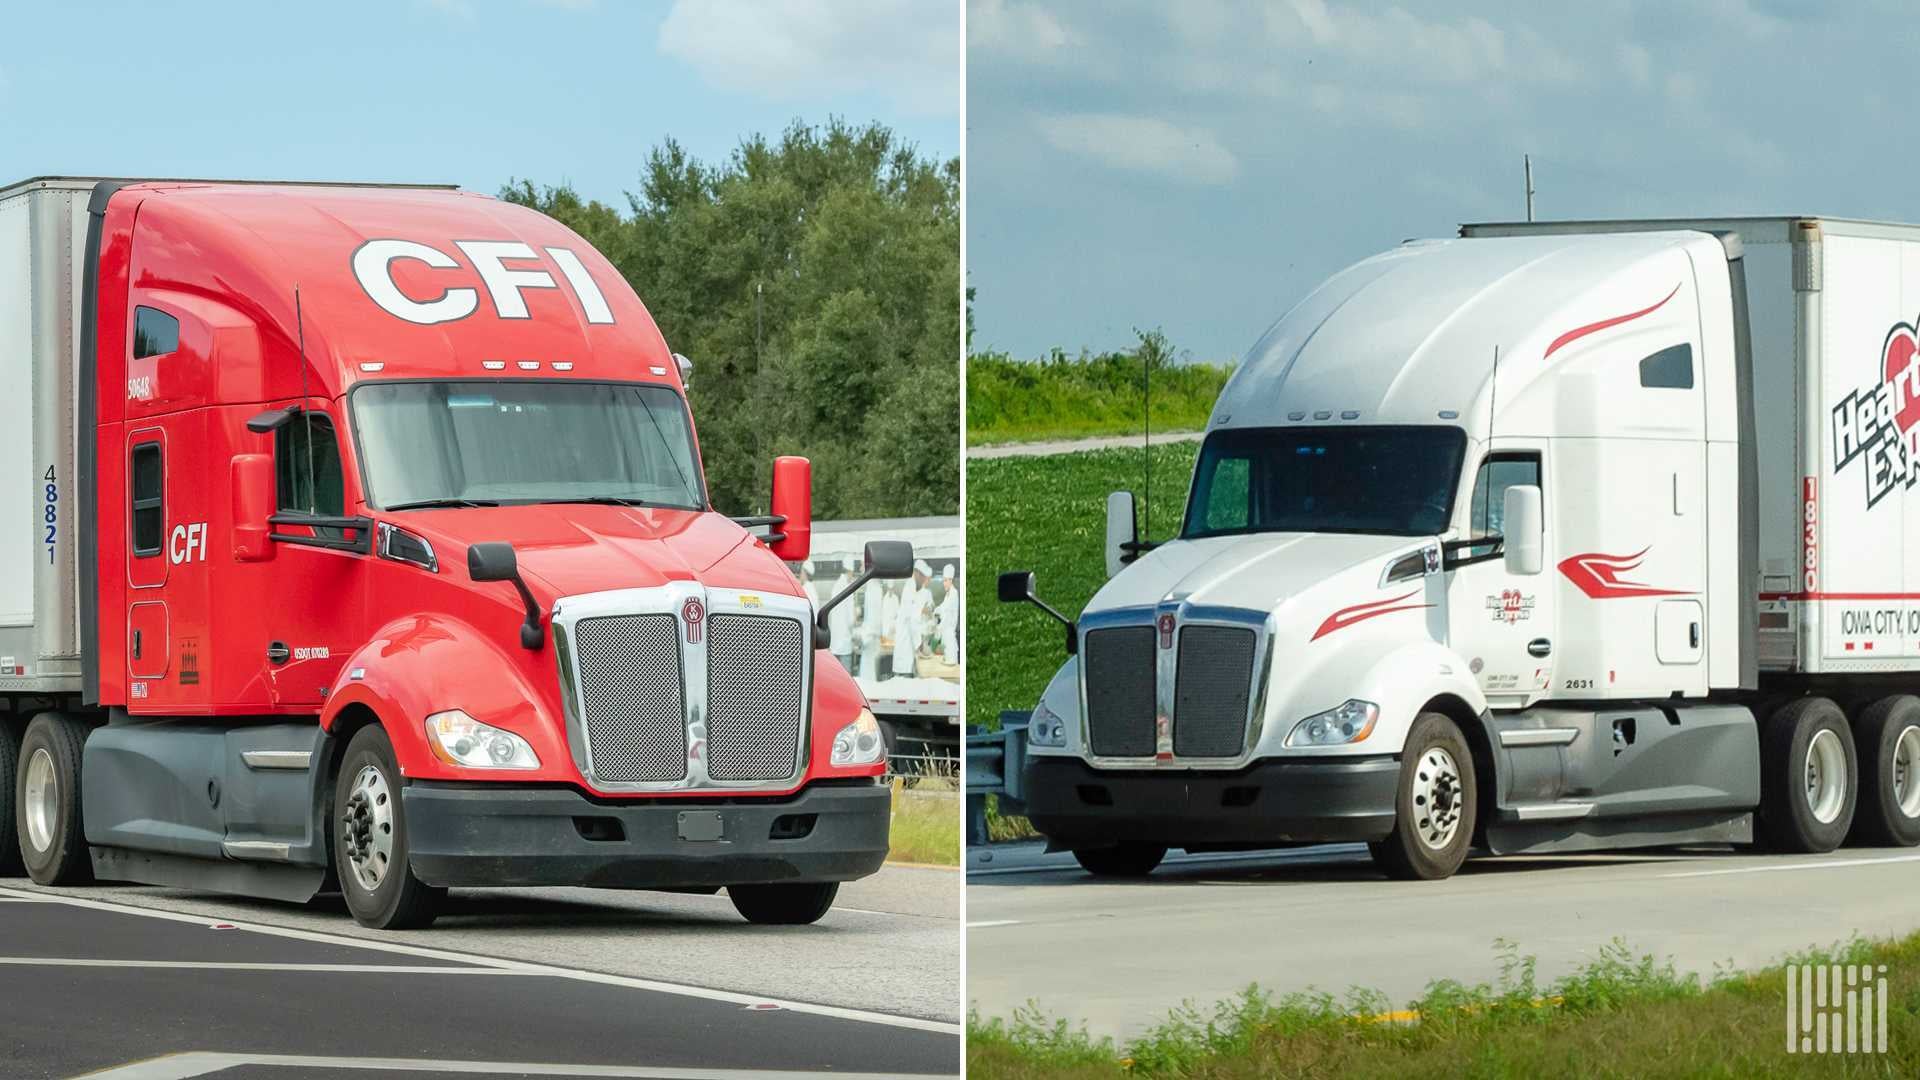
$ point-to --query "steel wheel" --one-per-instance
(41, 799)
(1437, 798)
(366, 828)
(1826, 776)
(1906, 772)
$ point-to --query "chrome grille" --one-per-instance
(1120, 690)
(631, 697)
(1211, 690)
(755, 669)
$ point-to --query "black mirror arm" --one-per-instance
(1073, 632)
(531, 634)
(821, 630)
(1450, 557)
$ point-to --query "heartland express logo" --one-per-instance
(1881, 424)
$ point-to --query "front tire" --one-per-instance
(1436, 807)
(46, 799)
(1809, 779)
(1887, 739)
(1126, 861)
(370, 853)
(784, 904)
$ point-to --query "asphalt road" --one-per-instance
(1120, 955)
(158, 983)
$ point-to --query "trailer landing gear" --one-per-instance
(370, 840)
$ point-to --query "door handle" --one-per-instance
(1539, 646)
(136, 644)
(1693, 635)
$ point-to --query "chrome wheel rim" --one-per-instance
(41, 799)
(1438, 798)
(1826, 776)
(1906, 772)
(366, 828)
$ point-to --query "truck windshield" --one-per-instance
(463, 443)
(1398, 480)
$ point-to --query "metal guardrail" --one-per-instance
(996, 765)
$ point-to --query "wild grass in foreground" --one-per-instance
(1620, 1016)
(926, 823)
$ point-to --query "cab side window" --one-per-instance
(306, 457)
(155, 333)
(1669, 369)
(147, 487)
(1498, 473)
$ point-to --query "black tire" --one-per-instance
(1886, 769)
(1787, 822)
(784, 904)
(10, 865)
(53, 743)
(1436, 760)
(397, 900)
(1125, 861)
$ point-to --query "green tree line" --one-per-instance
(1064, 396)
(814, 281)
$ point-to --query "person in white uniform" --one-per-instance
(947, 617)
(840, 619)
(910, 623)
(873, 603)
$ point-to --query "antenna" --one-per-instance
(1493, 391)
(306, 414)
(1146, 438)
(1526, 163)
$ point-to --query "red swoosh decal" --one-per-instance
(1598, 575)
(1579, 332)
(1347, 616)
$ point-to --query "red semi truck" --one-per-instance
(371, 547)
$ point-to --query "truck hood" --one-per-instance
(572, 549)
(1258, 572)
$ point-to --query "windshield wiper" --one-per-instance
(441, 504)
(598, 500)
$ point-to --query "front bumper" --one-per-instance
(1268, 803)
(486, 834)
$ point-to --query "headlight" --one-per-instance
(1046, 728)
(1349, 723)
(860, 742)
(459, 739)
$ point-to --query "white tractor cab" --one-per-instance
(1540, 539)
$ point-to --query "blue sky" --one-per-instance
(1200, 166)
(472, 92)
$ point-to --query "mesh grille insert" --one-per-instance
(1210, 693)
(1120, 700)
(630, 697)
(755, 667)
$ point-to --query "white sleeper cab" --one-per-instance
(1551, 537)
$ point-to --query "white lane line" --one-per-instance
(1828, 865)
(992, 922)
(219, 965)
(187, 1066)
(1223, 858)
(628, 982)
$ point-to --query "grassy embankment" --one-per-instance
(1048, 515)
(1066, 397)
(1621, 1016)
(926, 822)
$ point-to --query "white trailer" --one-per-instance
(1555, 536)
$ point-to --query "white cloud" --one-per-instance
(1023, 30)
(792, 50)
(1142, 144)
(1637, 62)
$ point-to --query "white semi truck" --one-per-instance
(1551, 537)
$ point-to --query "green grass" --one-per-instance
(1620, 1016)
(1066, 397)
(926, 824)
(1048, 515)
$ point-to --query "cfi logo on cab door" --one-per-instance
(1880, 426)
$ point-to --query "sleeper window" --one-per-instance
(147, 485)
(155, 333)
(1669, 369)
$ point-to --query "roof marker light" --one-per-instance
(658, 370)
(1296, 416)
(1350, 414)
(1449, 414)
(563, 365)
(1322, 414)
(529, 365)
(494, 365)
(372, 366)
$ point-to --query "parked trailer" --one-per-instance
(370, 549)
(1552, 537)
